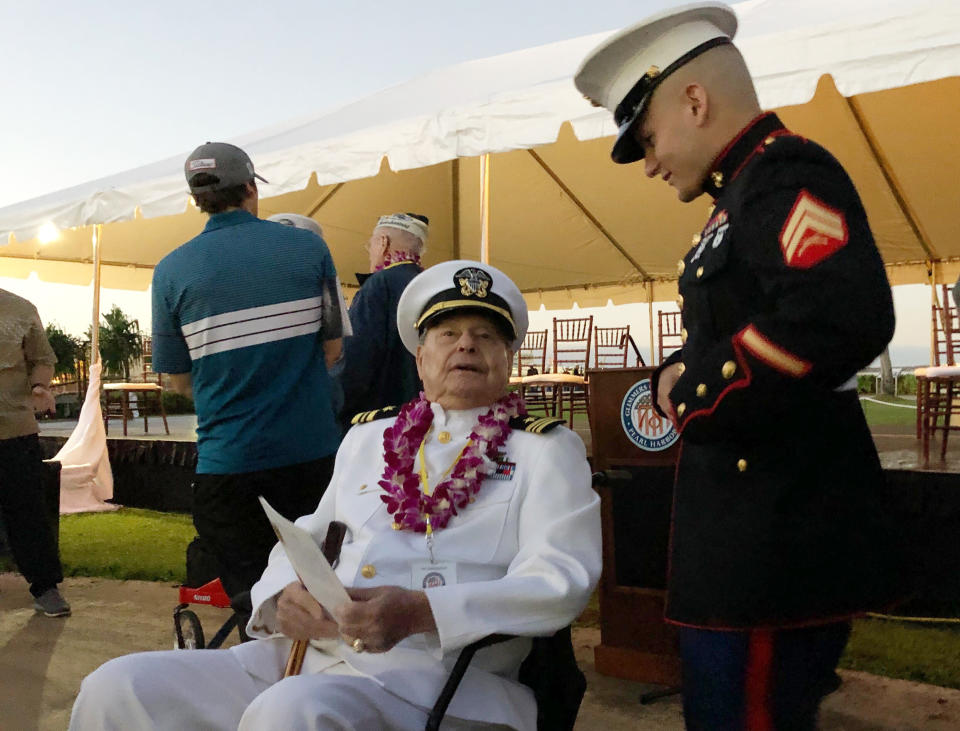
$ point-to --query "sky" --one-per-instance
(92, 89)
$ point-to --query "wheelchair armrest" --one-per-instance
(456, 675)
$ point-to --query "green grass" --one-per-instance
(148, 545)
(926, 654)
(126, 544)
(887, 415)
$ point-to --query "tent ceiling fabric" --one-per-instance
(566, 222)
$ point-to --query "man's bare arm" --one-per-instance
(332, 350)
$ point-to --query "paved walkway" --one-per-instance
(42, 662)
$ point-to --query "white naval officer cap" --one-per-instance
(622, 72)
(460, 285)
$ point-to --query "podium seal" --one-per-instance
(641, 422)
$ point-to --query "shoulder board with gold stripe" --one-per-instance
(535, 424)
(365, 417)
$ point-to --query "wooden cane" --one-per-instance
(295, 660)
(331, 551)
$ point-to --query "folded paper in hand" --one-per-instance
(307, 560)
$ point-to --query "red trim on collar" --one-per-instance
(718, 160)
(759, 149)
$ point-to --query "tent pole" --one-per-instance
(485, 208)
(455, 199)
(650, 319)
(932, 278)
(95, 329)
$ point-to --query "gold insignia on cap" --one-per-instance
(681, 266)
(368, 571)
(728, 369)
(653, 72)
(699, 272)
(680, 409)
(702, 390)
(769, 140)
(683, 335)
(717, 177)
(742, 465)
(696, 239)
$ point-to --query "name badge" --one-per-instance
(425, 575)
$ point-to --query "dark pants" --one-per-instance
(232, 526)
(759, 679)
(25, 513)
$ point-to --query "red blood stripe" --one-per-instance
(758, 681)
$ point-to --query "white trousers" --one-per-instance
(209, 689)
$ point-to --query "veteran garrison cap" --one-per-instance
(623, 71)
(227, 163)
(460, 285)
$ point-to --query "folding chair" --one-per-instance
(532, 361)
(610, 347)
(938, 384)
(669, 333)
(571, 356)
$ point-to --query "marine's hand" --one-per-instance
(668, 379)
(301, 617)
(383, 616)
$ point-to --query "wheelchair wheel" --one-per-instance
(187, 631)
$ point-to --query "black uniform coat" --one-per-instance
(378, 370)
(778, 512)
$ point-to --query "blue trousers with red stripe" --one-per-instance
(758, 680)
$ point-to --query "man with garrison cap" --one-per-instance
(247, 318)
(780, 533)
(465, 517)
(377, 370)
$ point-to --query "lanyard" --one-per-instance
(425, 485)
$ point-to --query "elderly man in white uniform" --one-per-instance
(465, 518)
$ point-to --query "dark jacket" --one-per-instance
(378, 370)
(779, 516)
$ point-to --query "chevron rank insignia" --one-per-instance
(365, 417)
(535, 424)
(813, 232)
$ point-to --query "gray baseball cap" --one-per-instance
(230, 164)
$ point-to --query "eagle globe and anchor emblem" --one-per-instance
(641, 422)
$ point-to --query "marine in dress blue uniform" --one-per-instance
(780, 533)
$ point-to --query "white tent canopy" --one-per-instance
(563, 216)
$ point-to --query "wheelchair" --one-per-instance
(187, 629)
(550, 670)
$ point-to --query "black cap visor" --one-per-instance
(627, 148)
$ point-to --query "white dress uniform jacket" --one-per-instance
(527, 553)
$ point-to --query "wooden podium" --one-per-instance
(630, 437)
